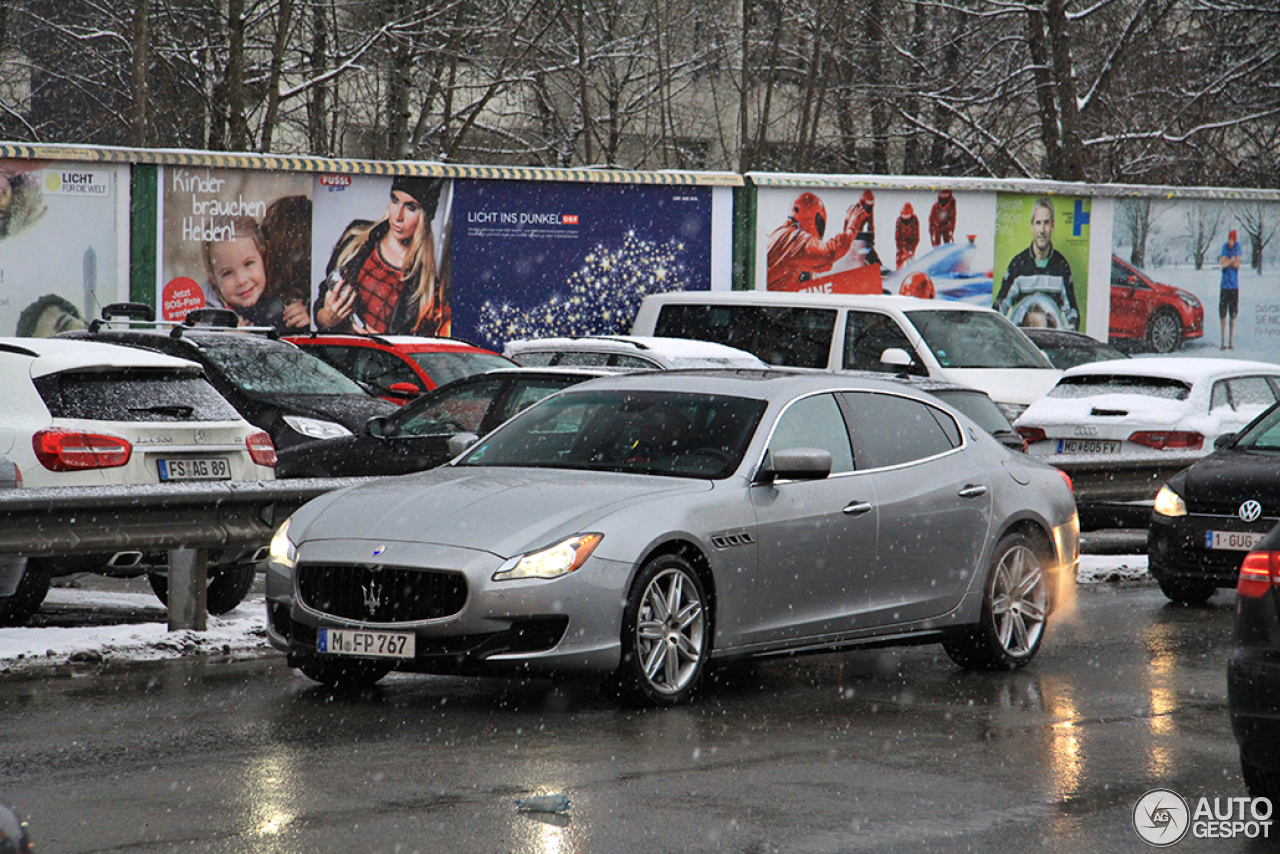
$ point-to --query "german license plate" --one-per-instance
(210, 469)
(366, 643)
(1087, 446)
(1236, 541)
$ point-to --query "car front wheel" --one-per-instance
(1164, 332)
(665, 636)
(1015, 605)
(1187, 592)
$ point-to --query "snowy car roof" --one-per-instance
(1192, 369)
(55, 355)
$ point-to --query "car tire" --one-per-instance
(664, 653)
(15, 610)
(229, 583)
(1164, 331)
(1186, 592)
(344, 675)
(1260, 783)
(1015, 609)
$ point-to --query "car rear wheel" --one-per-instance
(344, 675)
(229, 583)
(15, 610)
(1260, 783)
(1164, 331)
(1015, 605)
(665, 636)
(1187, 592)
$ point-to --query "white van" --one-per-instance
(953, 341)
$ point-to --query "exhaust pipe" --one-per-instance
(125, 560)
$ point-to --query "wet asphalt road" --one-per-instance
(877, 751)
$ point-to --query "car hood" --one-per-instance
(505, 511)
(1021, 386)
(352, 411)
(1229, 477)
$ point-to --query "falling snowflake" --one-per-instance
(603, 295)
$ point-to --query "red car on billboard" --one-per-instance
(1151, 314)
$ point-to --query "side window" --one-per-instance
(867, 335)
(529, 392)
(341, 358)
(382, 370)
(533, 360)
(1119, 274)
(889, 430)
(582, 360)
(815, 422)
(634, 363)
(1246, 391)
(1220, 397)
(461, 409)
(795, 337)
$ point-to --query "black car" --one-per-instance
(1253, 671)
(1066, 349)
(294, 396)
(1208, 516)
(416, 437)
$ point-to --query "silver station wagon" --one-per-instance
(640, 526)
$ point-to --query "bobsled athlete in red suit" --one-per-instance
(796, 248)
(942, 219)
(907, 235)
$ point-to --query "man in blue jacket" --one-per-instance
(1229, 294)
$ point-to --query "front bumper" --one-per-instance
(530, 626)
(1176, 547)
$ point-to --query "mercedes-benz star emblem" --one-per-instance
(1250, 511)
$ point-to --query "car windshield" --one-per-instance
(447, 367)
(1068, 354)
(976, 339)
(1092, 385)
(644, 432)
(1263, 434)
(274, 367)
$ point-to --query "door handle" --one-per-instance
(856, 508)
(972, 491)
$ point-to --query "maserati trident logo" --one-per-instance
(372, 594)
(1250, 511)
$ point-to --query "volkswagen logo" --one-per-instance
(1086, 431)
(1250, 511)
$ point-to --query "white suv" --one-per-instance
(627, 353)
(80, 413)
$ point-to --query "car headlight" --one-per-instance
(552, 562)
(283, 552)
(1169, 503)
(315, 428)
(1189, 301)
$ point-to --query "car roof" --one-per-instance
(55, 355)
(584, 373)
(880, 301)
(687, 348)
(1187, 368)
(768, 383)
(406, 343)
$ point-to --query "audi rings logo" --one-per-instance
(1086, 430)
(1250, 511)
(1161, 817)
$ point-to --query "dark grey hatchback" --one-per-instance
(1253, 671)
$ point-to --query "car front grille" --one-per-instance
(379, 594)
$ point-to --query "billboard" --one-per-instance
(1042, 259)
(61, 229)
(871, 241)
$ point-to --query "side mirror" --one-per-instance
(404, 389)
(460, 443)
(377, 426)
(1223, 441)
(896, 357)
(795, 464)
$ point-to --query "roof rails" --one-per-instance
(131, 314)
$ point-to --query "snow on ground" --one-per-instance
(242, 632)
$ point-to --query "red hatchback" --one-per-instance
(400, 367)
(1159, 316)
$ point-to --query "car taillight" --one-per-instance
(1032, 434)
(64, 450)
(1071, 486)
(1166, 440)
(1259, 572)
(261, 451)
